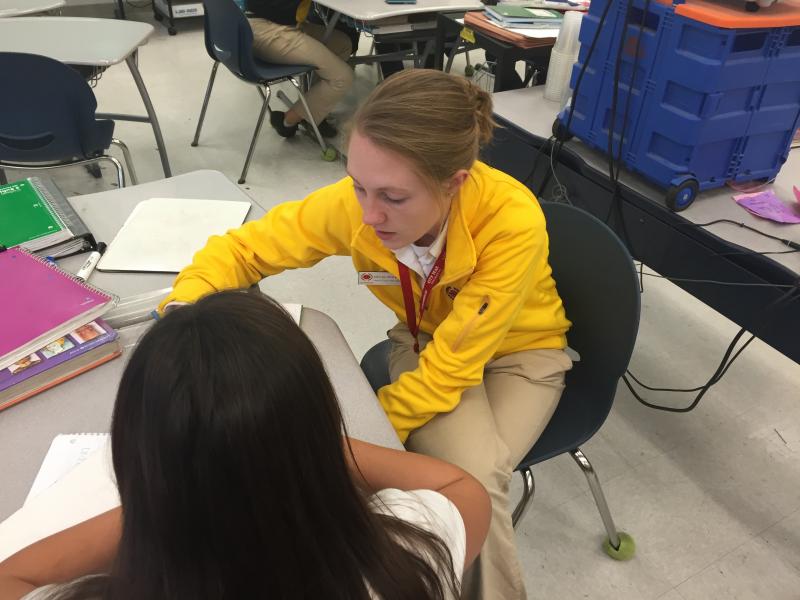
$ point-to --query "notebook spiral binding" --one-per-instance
(85, 285)
(50, 202)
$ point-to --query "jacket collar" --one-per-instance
(461, 258)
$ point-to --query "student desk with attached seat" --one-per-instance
(98, 43)
(85, 403)
(675, 245)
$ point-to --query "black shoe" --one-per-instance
(326, 130)
(276, 120)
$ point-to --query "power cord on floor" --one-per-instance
(729, 357)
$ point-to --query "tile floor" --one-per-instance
(712, 497)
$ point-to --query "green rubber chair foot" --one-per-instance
(626, 550)
(329, 154)
(469, 70)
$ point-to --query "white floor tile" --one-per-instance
(754, 571)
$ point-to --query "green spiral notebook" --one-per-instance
(35, 215)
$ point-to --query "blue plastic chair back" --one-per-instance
(596, 280)
(47, 112)
(229, 38)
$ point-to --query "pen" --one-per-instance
(86, 270)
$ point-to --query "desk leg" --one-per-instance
(151, 113)
(438, 59)
(330, 26)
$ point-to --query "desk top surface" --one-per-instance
(84, 404)
(18, 8)
(74, 40)
(528, 110)
(372, 10)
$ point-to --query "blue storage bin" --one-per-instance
(708, 104)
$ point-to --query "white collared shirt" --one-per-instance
(421, 259)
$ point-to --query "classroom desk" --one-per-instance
(20, 8)
(505, 54)
(670, 243)
(90, 42)
(374, 10)
(84, 404)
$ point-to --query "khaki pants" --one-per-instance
(301, 46)
(487, 434)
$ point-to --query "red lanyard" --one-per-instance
(408, 295)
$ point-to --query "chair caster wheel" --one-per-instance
(172, 31)
(626, 550)
(469, 71)
(240, 181)
(193, 144)
(329, 154)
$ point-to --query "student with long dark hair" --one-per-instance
(237, 482)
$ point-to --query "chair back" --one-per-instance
(596, 279)
(47, 112)
(229, 38)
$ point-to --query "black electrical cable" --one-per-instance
(555, 147)
(789, 243)
(616, 199)
(778, 286)
(724, 365)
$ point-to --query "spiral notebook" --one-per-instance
(41, 303)
(35, 215)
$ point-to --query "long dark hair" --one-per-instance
(228, 449)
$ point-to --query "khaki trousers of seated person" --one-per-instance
(491, 429)
(301, 45)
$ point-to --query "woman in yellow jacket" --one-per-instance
(478, 370)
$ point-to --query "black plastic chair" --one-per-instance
(229, 40)
(47, 118)
(597, 282)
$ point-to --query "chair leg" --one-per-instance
(118, 166)
(128, 161)
(205, 102)
(264, 107)
(527, 495)
(318, 135)
(599, 497)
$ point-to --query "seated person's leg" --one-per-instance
(289, 45)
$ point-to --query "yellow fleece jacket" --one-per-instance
(497, 249)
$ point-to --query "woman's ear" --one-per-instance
(456, 181)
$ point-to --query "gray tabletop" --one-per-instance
(372, 10)
(84, 404)
(74, 40)
(18, 8)
(527, 109)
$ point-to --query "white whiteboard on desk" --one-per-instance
(162, 234)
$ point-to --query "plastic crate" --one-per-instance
(708, 103)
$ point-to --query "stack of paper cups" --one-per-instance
(563, 57)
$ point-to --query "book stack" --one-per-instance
(522, 38)
(50, 324)
(519, 17)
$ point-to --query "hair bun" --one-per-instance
(482, 105)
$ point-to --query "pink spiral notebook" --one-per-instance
(39, 302)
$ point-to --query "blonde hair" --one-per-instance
(435, 120)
